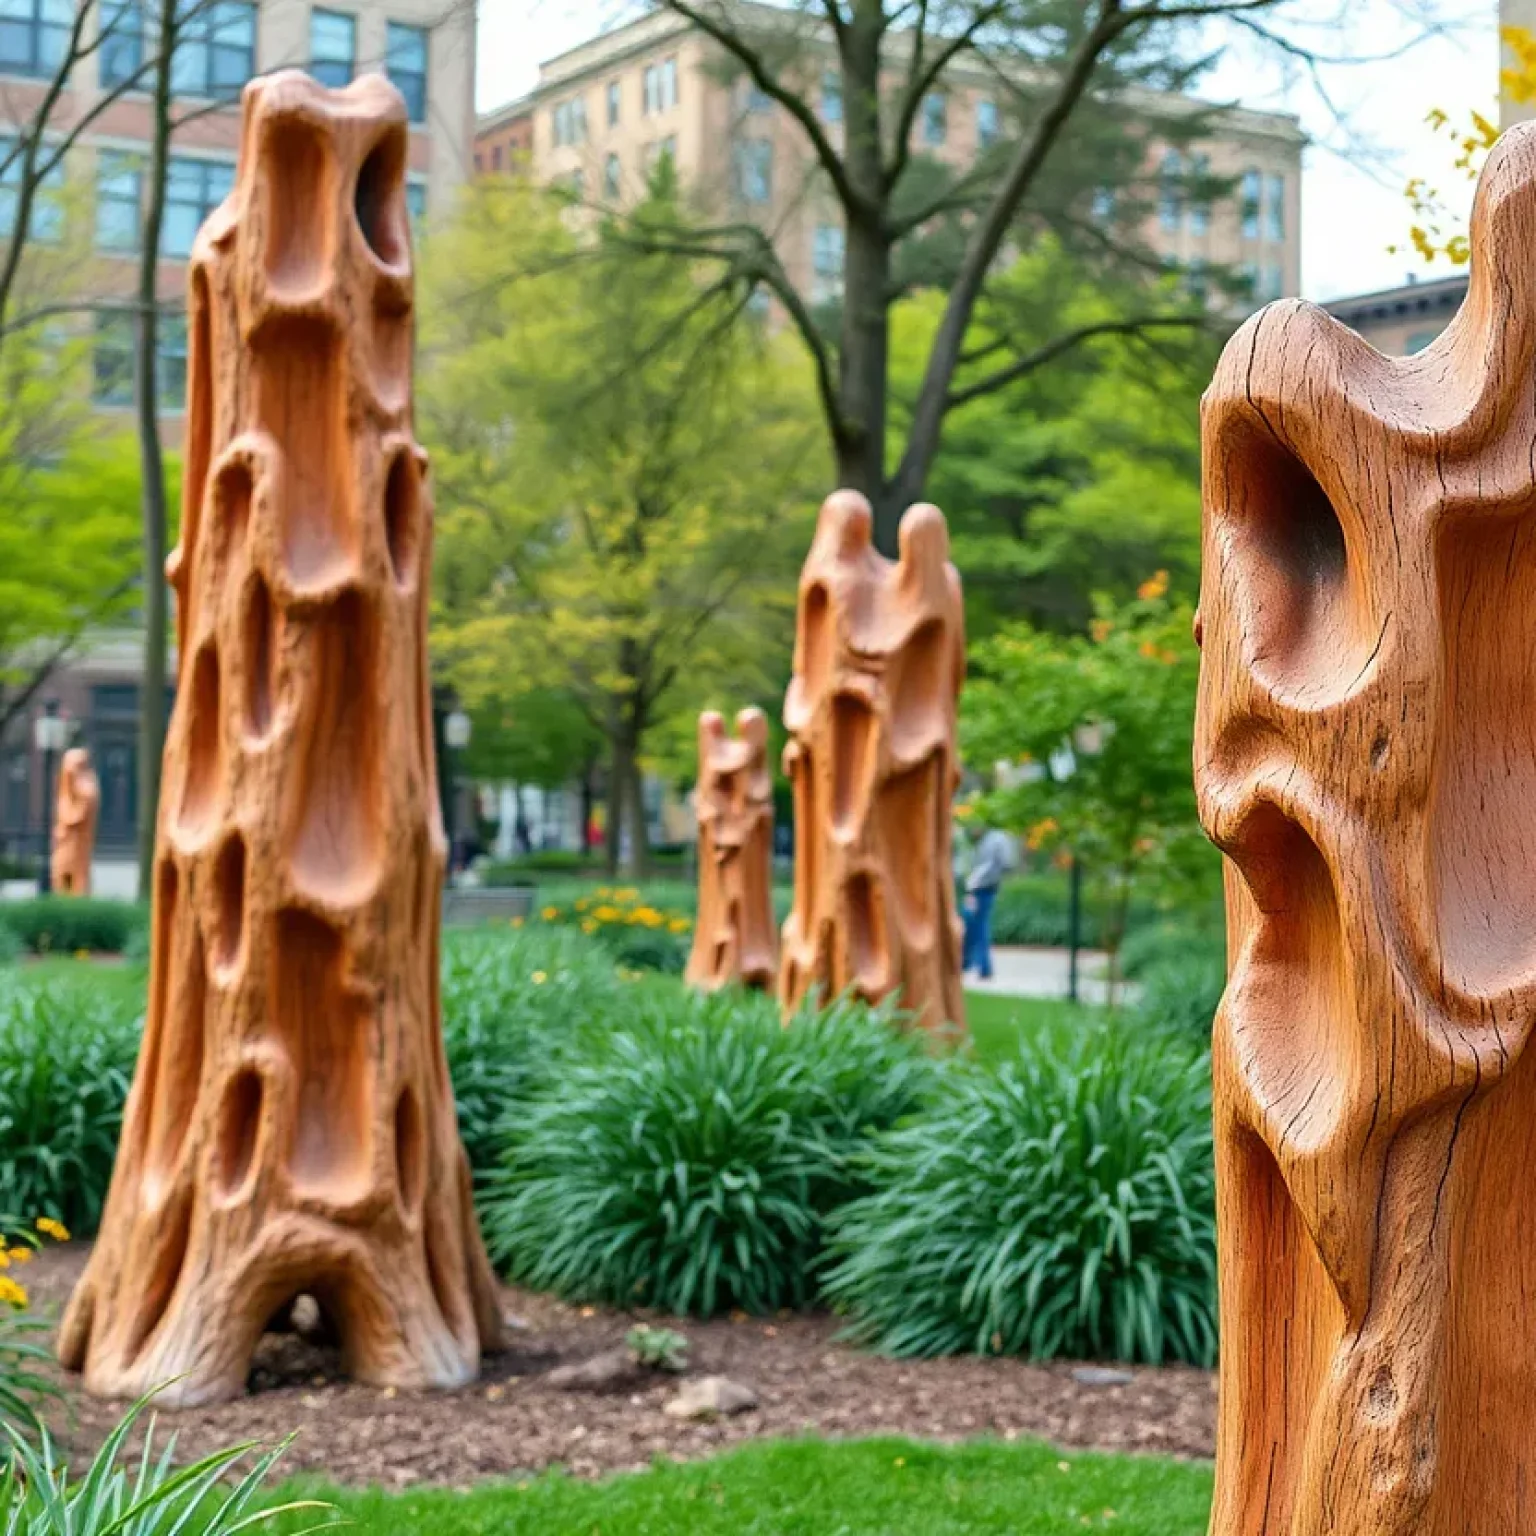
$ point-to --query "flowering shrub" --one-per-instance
(638, 935)
(22, 1387)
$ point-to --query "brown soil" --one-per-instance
(511, 1422)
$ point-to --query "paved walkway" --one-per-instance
(1020, 971)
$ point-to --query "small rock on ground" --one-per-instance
(602, 1373)
(1101, 1376)
(710, 1397)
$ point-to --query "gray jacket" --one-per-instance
(994, 858)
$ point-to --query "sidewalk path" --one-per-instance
(1030, 971)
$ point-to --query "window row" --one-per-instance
(1262, 198)
(658, 93)
(216, 51)
(193, 189)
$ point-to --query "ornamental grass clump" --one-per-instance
(687, 1159)
(1062, 1205)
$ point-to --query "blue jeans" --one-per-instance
(978, 932)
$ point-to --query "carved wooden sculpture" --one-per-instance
(291, 1125)
(879, 660)
(734, 937)
(1367, 759)
(77, 802)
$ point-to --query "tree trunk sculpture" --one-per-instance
(291, 1125)
(1366, 759)
(734, 937)
(879, 661)
(74, 824)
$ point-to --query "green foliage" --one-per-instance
(809, 1487)
(1063, 1205)
(687, 1158)
(25, 1379)
(66, 924)
(10, 944)
(143, 1495)
(658, 1349)
(1120, 703)
(67, 1052)
(1182, 972)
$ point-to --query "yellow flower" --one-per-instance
(605, 890)
(82, 954)
(1148, 648)
(549, 914)
(16, 1256)
(1041, 830)
(1154, 586)
(517, 922)
(626, 893)
(51, 1228)
(588, 926)
(1100, 630)
(11, 1294)
(582, 904)
(679, 925)
(540, 977)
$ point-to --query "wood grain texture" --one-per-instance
(291, 1125)
(871, 711)
(734, 937)
(1366, 758)
(77, 803)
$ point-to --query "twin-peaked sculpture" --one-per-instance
(1367, 760)
(291, 1124)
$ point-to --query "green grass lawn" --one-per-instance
(998, 1023)
(883, 1487)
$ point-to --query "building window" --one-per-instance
(570, 119)
(34, 35)
(1252, 184)
(613, 103)
(1418, 341)
(660, 82)
(754, 170)
(47, 217)
(935, 112)
(1103, 205)
(113, 354)
(1200, 202)
(119, 179)
(217, 51)
(1170, 193)
(1197, 279)
(1273, 281)
(986, 122)
(1274, 207)
(832, 97)
(405, 62)
(193, 189)
(758, 100)
(332, 47)
(495, 157)
(122, 41)
(171, 360)
(611, 172)
(416, 201)
(661, 149)
(827, 251)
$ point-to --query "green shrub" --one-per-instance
(67, 1051)
(520, 871)
(511, 1001)
(65, 924)
(1062, 1205)
(688, 1159)
(10, 945)
(647, 949)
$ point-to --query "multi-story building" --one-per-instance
(1402, 321)
(603, 112)
(504, 138)
(426, 47)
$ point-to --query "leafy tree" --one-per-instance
(1071, 158)
(623, 469)
(1090, 738)
(1074, 481)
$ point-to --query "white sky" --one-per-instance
(1367, 143)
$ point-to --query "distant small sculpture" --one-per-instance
(77, 804)
(291, 1128)
(879, 661)
(1366, 759)
(734, 938)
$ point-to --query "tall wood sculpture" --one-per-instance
(291, 1125)
(734, 938)
(78, 800)
(879, 660)
(1367, 760)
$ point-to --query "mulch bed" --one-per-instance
(512, 1423)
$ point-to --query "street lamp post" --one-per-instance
(50, 732)
(456, 734)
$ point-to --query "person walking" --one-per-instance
(993, 859)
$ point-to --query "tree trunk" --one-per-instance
(588, 799)
(151, 464)
(618, 781)
(291, 1127)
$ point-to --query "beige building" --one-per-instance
(1402, 321)
(602, 113)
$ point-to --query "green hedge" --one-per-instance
(65, 924)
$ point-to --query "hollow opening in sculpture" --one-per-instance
(819, 643)
(1481, 831)
(239, 1131)
(229, 902)
(869, 952)
(807, 838)
(202, 779)
(410, 1150)
(922, 691)
(260, 656)
(906, 811)
(232, 509)
(1310, 624)
(853, 762)
(337, 844)
(325, 1032)
(199, 444)
(299, 374)
(402, 516)
(379, 199)
(167, 1260)
(300, 224)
